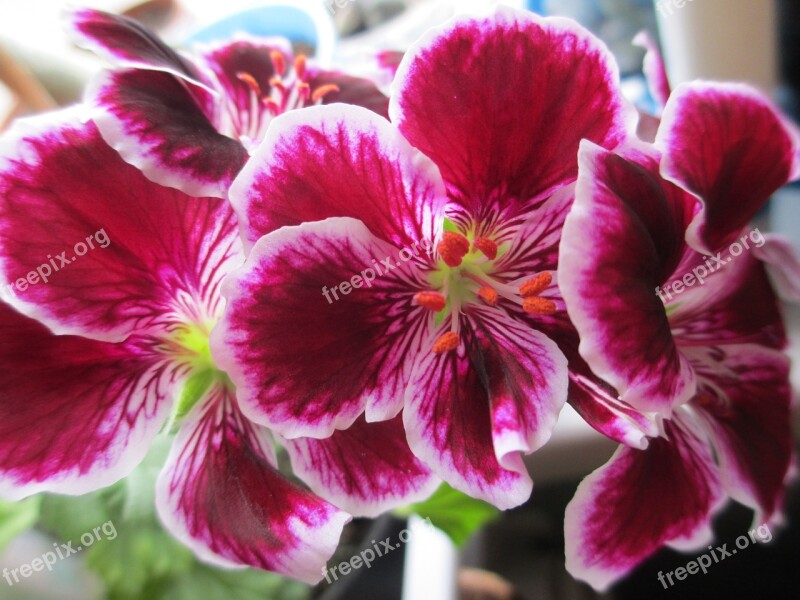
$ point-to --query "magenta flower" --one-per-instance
(121, 332)
(662, 279)
(448, 324)
(189, 122)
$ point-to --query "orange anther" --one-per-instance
(277, 83)
(431, 300)
(324, 90)
(488, 295)
(250, 81)
(300, 66)
(446, 343)
(487, 246)
(538, 306)
(278, 62)
(452, 248)
(536, 285)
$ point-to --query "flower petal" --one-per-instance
(594, 399)
(125, 41)
(501, 102)
(221, 495)
(745, 400)
(339, 161)
(623, 239)
(308, 354)
(161, 125)
(527, 378)
(597, 403)
(471, 413)
(654, 70)
(735, 304)
(352, 90)
(105, 251)
(365, 469)
(534, 242)
(727, 144)
(639, 501)
(247, 57)
(76, 415)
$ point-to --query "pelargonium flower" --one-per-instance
(190, 121)
(777, 253)
(103, 347)
(705, 353)
(487, 115)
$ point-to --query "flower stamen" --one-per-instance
(250, 81)
(300, 66)
(447, 342)
(538, 306)
(452, 248)
(536, 285)
(278, 62)
(487, 246)
(488, 295)
(433, 301)
(324, 90)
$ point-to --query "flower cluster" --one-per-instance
(238, 182)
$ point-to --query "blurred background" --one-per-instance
(518, 554)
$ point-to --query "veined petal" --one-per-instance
(161, 125)
(527, 379)
(735, 304)
(447, 417)
(654, 70)
(745, 400)
(365, 469)
(105, 251)
(317, 328)
(728, 145)
(76, 415)
(127, 42)
(221, 495)
(339, 161)
(501, 102)
(596, 402)
(472, 413)
(639, 501)
(622, 239)
(533, 243)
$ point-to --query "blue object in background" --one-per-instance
(536, 6)
(304, 23)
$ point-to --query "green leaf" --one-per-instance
(139, 486)
(455, 513)
(16, 517)
(68, 517)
